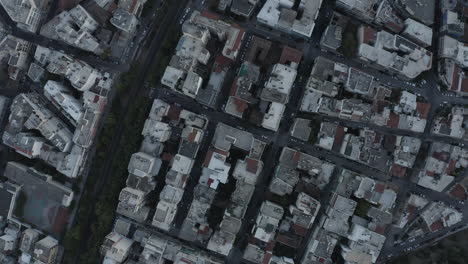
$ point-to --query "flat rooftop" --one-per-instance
(6, 197)
(423, 10)
(43, 198)
(226, 136)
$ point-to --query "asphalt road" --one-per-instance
(37, 39)
(137, 88)
(280, 138)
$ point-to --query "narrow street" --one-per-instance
(277, 140)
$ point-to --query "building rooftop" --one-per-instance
(388, 17)
(452, 24)
(232, 34)
(243, 7)
(332, 37)
(230, 224)
(279, 85)
(124, 20)
(61, 96)
(253, 253)
(144, 165)
(46, 249)
(226, 136)
(26, 14)
(171, 194)
(393, 53)
(164, 215)
(248, 170)
(157, 130)
(280, 15)
(29, 111)
(359, 82)
(418, 32)
(35, 72)
(182, 164)
(43, 197)
(423, 10)
(75, 27)
(320, 248)
(258, 50)
(216, 169)
(284, 180)
(8, 194)
(267, 221)
(221, 242)
(236, 106)
(272, 118)
(362, 9)
(364, 245)
(240, 199)
(301, 129)
(338, 213)
(116, 247)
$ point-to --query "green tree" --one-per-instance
(349, 44)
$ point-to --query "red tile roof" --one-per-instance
(367, 195)
(369, 35)
(423, 109)
(411, 209)
(379, 187)
(221, 63)
(210, 15)
(339, 135)
(204, 231)
(290, 241)
(299, 230)
(451, 167)
(397, 170)
(210, 181)
(166, 156)
(208, 158)
(393, 120)
(394, 26)
(378, 105)
(290, 55)
(266, 258)
(443, 156)
(297, 156)
(458, 191)
(389, 142)
(252, 165)
(455, 78)
(377, 138)
(174, 112)
(241, 105)
(270, 246)
(233, 90)
(132, 7)
(225, 153)
(436, 226)
(464, 85)
(191, 137)
(380, 229)
(238, 41)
